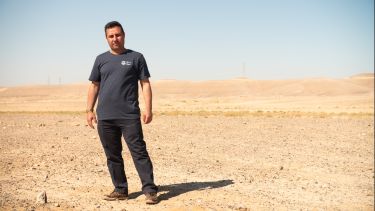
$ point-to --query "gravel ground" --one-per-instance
(200, 163)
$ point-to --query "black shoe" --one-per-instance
(116, 196)
(151, 198)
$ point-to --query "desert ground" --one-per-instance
(240, 144)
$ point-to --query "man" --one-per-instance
(114, 82)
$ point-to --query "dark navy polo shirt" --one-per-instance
(118, 76)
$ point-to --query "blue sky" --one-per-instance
(57, 41)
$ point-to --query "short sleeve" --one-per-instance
(143, 72)
(95, 72)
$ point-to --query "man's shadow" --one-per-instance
(181, 188)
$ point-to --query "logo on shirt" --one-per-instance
(126, 63)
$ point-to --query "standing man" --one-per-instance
(114, 82)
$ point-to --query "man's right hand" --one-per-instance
(91, 118)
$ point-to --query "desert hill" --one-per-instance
(303, 87)
(352, 94)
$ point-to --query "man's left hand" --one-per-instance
(147, 117)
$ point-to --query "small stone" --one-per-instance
(57, 205)
(28, 125)
(42, 125)
(281, 168)
(66, 137)
(239, 208)
(41, 198)
(46, 177)
(93, 137)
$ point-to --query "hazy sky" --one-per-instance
(58, 40)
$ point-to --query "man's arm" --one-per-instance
(147, 95)
(91, 100)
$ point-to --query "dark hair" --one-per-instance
(111, 25)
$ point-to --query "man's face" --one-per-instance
(115, 38)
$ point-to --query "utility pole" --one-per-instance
(243, 69)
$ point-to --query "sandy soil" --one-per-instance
(306, 151)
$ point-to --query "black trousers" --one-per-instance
(110, 132)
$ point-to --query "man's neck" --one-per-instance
(118, 52)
